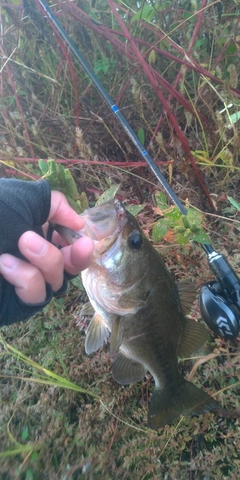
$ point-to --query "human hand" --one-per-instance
(47, 262)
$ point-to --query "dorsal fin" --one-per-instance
(187, 291)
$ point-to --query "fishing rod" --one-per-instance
(219, 300)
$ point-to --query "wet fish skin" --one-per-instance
(136, 300)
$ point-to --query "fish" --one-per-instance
(142, 311)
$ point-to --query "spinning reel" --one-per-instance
(219, 300)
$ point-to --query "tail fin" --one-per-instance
(167, 405)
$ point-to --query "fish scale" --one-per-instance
(140, 307)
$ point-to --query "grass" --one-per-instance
(62, 414)
(172, 68)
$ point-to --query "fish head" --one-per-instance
(118, 276)
(101, 221)
(124, 248)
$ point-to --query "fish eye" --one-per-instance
(135, 240)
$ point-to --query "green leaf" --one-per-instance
(25, 433)
(194, 216)
(135, 209)
(187, 15)
(160, 228)
(61, 179)
(174, 214)
(145, 13)
(34, 456)
(201, 237)
(102, 65)
(187, 228)
(235, 117)
(43, 166)
(70, 185)
(141, 135)
(182, 239)
(200, 43)
(77, 282)
(234, 203)
(29, 475)
(231, 50)
(161, 200)
(108, 195)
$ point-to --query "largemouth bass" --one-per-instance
(138, 304)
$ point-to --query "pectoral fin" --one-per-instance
(187, 292)
(97, 334)
(87, 310)
(194, 336)
(116, 335)
(125, 370)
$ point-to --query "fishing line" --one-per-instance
(219, 300)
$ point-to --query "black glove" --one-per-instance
(23, 206)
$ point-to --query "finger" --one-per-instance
(78, 256)
(27, 279)
(63, 214)
(43, 255)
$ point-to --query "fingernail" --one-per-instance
(36, 244)
(8, 262)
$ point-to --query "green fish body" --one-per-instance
(138, 304)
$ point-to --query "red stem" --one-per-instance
(161, 97)
(106, 33)
(70, 162)
(179, 75)
(197, 26)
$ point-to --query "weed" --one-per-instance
(172, 67)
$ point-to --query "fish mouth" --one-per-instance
(104, 220)
(106, 242)
(103, 224)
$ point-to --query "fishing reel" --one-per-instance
(219, 300)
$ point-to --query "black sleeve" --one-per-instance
(23, 206)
